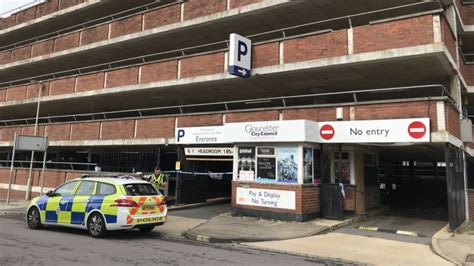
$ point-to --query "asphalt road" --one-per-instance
(60, 246)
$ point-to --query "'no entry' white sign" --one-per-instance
(375, 131)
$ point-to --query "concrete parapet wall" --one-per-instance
(137, 23)
(466, 12)
(296, 50)
(164, 126)
(449, 40)
(394, 34)
(316, 47)
(37, 11)
(467, 71)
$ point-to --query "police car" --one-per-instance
(100, 204)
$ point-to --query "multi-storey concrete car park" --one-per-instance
(119, 78)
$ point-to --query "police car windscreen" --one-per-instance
(140, 189)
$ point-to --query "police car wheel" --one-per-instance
(96, 225)
(34, 218)
(146, 229)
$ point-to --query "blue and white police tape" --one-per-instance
(198, 173)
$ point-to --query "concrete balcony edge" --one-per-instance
(102, 142)
(446, 137)
(49, 16)
(310, 64)
(436, 137)
(154, 31)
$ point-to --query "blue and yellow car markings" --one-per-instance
(74, 209)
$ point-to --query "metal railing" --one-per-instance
(467, 57)
(62, 165)
(331, 98)
(280, 34)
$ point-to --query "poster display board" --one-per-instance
(246, 163)
(266, 169)
(308, 162)
(287, 164)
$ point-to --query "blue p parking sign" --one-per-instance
(240, 56)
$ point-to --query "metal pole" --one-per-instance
(11, 171)
(44, 166)
(340, 163)
(176, 193)
(466, 195)
(30, 179)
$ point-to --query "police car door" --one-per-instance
(81, 201)
(57, 205)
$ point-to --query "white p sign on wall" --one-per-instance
(240, 56)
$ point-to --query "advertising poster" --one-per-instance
(246, 164)
(266, 169)
(287, 166)
(307, 165)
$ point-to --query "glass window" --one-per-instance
(66, 189)
(140, 189)
(105, 189)
(308, 161)
(317, 166)
(86, 188)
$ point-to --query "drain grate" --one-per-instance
(470, 258)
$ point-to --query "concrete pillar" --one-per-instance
(455, 91)
(89, 159)
(441, 116)
(451, 18)
(466, 193)
(350, 41)
(359, 181)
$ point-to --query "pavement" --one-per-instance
(394, 227)
(365, 250)
(457, 247)
(225, 228)
(14, 208)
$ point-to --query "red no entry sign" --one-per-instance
(327, 132)
(417, 130)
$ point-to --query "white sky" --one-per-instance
(7, 5)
